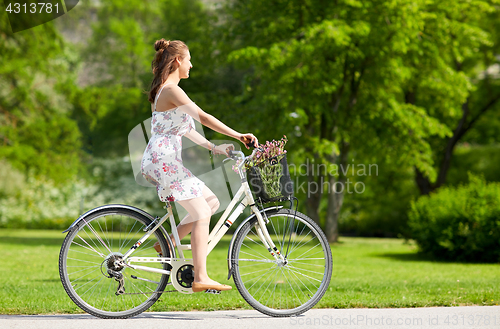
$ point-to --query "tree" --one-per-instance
(119, 50)
(451, 75)
(119, 54)
(36, 134)
(335, 71)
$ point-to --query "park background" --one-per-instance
(411, 88)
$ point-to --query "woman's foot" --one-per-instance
(199, 286)
(158, 248)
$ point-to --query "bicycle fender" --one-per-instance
(268, 210)
(109, 206)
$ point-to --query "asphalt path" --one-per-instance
(466, 317)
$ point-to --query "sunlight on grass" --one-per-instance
(366, 273)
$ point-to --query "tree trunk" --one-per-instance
(335, 201)
(462, 128)
(314, 192)
(450, 146)
(336, 196)
(423, 182)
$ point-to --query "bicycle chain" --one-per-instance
(144, 293)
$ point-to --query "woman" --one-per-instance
(173, 114)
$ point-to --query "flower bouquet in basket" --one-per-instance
(267, 172)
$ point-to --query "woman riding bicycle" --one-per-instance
(172, 117)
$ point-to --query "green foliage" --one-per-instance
(107, 115)
(341, 66)
(478, 159)
(460, 224)
(37, 202)
(386, 79)
(381, 209)
(31, 202)
(36, 134)
(120, 51)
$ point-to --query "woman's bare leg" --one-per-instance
(198, 221)
(186, 225)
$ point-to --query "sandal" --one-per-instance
(157, 247)
(197, 287)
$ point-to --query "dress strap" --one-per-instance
(158, 94)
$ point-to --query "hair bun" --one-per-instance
(161, 44)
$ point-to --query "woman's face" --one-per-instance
(185, 66)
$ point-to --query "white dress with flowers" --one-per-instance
(162, 163)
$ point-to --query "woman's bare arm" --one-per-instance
(181, 99)
(198, 138)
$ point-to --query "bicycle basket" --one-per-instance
(270, 179)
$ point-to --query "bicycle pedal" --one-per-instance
(212, 291)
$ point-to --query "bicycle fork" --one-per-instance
(264, 236)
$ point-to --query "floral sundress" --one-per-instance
(162, 163)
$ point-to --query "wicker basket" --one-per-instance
(270, 180)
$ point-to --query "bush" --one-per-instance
(459, 223)
(38, 203)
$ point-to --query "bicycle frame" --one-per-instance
(232, 212)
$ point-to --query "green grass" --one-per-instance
(367, 273)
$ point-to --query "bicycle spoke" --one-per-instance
(303, 269)
(262, 258)
(289, 251)
(85, 269)
(257, 244)
(89, 247)
(274, 289)
(294, 292)
(299, 244)
(126, 242)
(304, 275)
(270, 282)
(97, 236)
(289, 286)
(310, 259)
(87, 255)
(319, 243)
(256, 280)
(257, 260)
(80, 260)
(254, 272)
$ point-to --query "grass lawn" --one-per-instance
(366, 273)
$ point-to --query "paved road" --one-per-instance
(467, 317)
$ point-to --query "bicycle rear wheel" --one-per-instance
(282, 288)
(89, 252)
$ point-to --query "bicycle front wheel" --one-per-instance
(91, 250)
(289, 287)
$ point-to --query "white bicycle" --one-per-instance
(280, 259)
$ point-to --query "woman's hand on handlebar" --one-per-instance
(223, 149)
(249, 140)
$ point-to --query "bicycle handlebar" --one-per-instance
(238, 155)
(234, 154)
